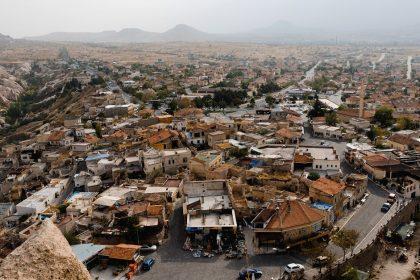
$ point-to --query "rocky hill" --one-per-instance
(45, 255)
(10, 89)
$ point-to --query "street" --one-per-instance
(174, 263)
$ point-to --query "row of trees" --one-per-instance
(222, 99)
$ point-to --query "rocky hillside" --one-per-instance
(45, 255)
(10, 89)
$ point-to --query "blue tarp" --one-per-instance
(256, 163)
(322, 206)
(97, 157)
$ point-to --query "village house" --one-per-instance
(329, 192)
(72, 121)
(151, 160)
(175, 160)
(196, 134)
(203, 162)
(81, 147)
(284, 223)
(327, 131)
(319, 158)
(80, 203)
(379, 166)
(402, 142)
(207, 207)
(215, 137)
(410, 187)
(165, 139)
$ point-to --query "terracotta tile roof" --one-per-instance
(378, 160)
(155, 210)
(92, 139)
(318, 119)
(56, 136)
(400, 139)
(287, 133)
(160, 136)
(119, 134)
(292, 214)
(328, 186)
(303, 159)
(189, 112)
(125, 252)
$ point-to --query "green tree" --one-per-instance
(317, 109)
(383, 116)
(406, 123)
(346, 239)
(313, 176)
(252, 102)
(98, 129)
(331, 118)
(269, 87)
(173, 106)
(198, 102)
(270, 100)
(238, 153)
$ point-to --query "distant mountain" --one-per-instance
(124, 36)
(278, 32)
(180, 32)
(183, 32)
(4, 39)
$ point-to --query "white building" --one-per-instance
(81, 147)
(324, 158)
(327, 131)
(39, 201)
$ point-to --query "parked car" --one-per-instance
(294, 267)
(320, 261)
(391, 198)
(248, 272)
(147, 248)
(147, 264)
(385, 207)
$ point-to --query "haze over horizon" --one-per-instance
(20, 18)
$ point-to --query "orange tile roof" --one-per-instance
(292, 214)
(303, 159)
(377, 160)
(328, 186)
(119, 134)
(91, 139)
(56, 136)
(160, 136)
(125, 252)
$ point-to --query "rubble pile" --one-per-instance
(45, 255)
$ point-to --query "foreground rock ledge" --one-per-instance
(45, 255)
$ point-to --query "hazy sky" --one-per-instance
(37, 17)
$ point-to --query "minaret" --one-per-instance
(362, 100)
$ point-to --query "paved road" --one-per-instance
(174, 263)
(366, 217)
(409, 59)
